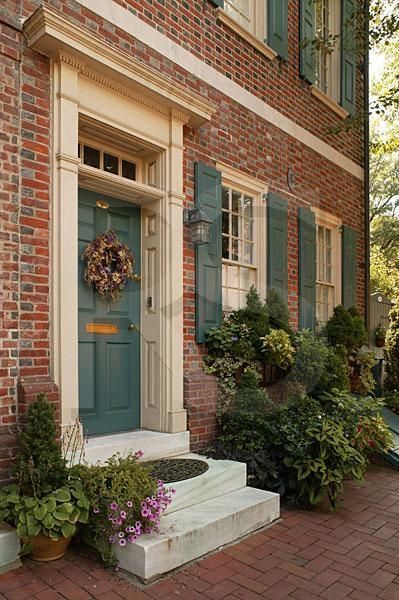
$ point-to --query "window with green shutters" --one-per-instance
(327, 52)
(267, 20)
(208, 281)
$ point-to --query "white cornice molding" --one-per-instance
(49, 33)
(263, 48)
(320, 95)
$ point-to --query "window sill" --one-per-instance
(261, 47)
(317, 93)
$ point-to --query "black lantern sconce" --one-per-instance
(199, 224)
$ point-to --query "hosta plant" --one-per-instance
(54, 515)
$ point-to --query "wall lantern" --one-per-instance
(199, 224)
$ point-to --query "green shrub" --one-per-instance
(361, 420)
(317, 367)
(39, 467)
(392, 352)
(363, 381)
(55, 515)
(277, 311)
(255, 317)
(278, 349)
(391, 400)
(304, 449)
(346, 328)
(126, 502)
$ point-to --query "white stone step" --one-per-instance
(9, 548)
(222, 476)
(154, 444)
(194, 531)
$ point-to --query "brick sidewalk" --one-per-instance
(352, 554)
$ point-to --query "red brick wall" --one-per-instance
(235, 136)
(24, 227)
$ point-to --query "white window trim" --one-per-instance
(252, 39)
(257, 190)
(332, 95)
(325, 219)
(328, 101)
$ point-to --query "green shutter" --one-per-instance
(348, 56)
(307, 33)
(349, 268)
(208, 282)
(218, 3)
(277, 26)
(277, 243)
(307, 269)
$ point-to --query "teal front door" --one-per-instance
(109, 338)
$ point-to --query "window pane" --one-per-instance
(236, 202)
(91, 157)
(234, 225)
(225, 222)
(225, 198)
(248, 207)
(235, 250)
(225, 247)
(128, 170)
(248, 253)
(248, 229)
(111, 163)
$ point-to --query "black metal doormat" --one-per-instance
(176, 469)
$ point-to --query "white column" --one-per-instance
(65, 222)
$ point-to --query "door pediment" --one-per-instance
(49, 33)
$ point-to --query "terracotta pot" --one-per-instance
(380, 342)
(45, 549)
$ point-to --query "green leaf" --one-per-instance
(33, 527)
(40, 512)
(84, 516)
(26, 549)
(51, 504)
(48, 521)
(13, 498)
(68, 530)
(62, 495)
(54, 535)
(22, 530)
(30, 502)
(61, 515)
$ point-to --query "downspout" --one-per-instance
(366, 161)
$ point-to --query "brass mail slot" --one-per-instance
(102, 328)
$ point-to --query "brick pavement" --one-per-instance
(353, 554)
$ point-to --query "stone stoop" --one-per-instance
(207, 512)
(153, 443)
(9, 548)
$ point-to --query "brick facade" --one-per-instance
(235, 136)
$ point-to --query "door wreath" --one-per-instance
(109, 265)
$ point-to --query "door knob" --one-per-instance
(133, 327)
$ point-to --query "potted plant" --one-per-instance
(44, 504)
(380, 334)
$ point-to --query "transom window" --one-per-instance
(106, 161)
(238, 247)
(325, 283)
(327, 54)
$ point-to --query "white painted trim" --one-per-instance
(136, 27)
(326, 219)
(320, 95)
(249, 37)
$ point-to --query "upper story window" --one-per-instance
(327, 54)
(250, 14)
